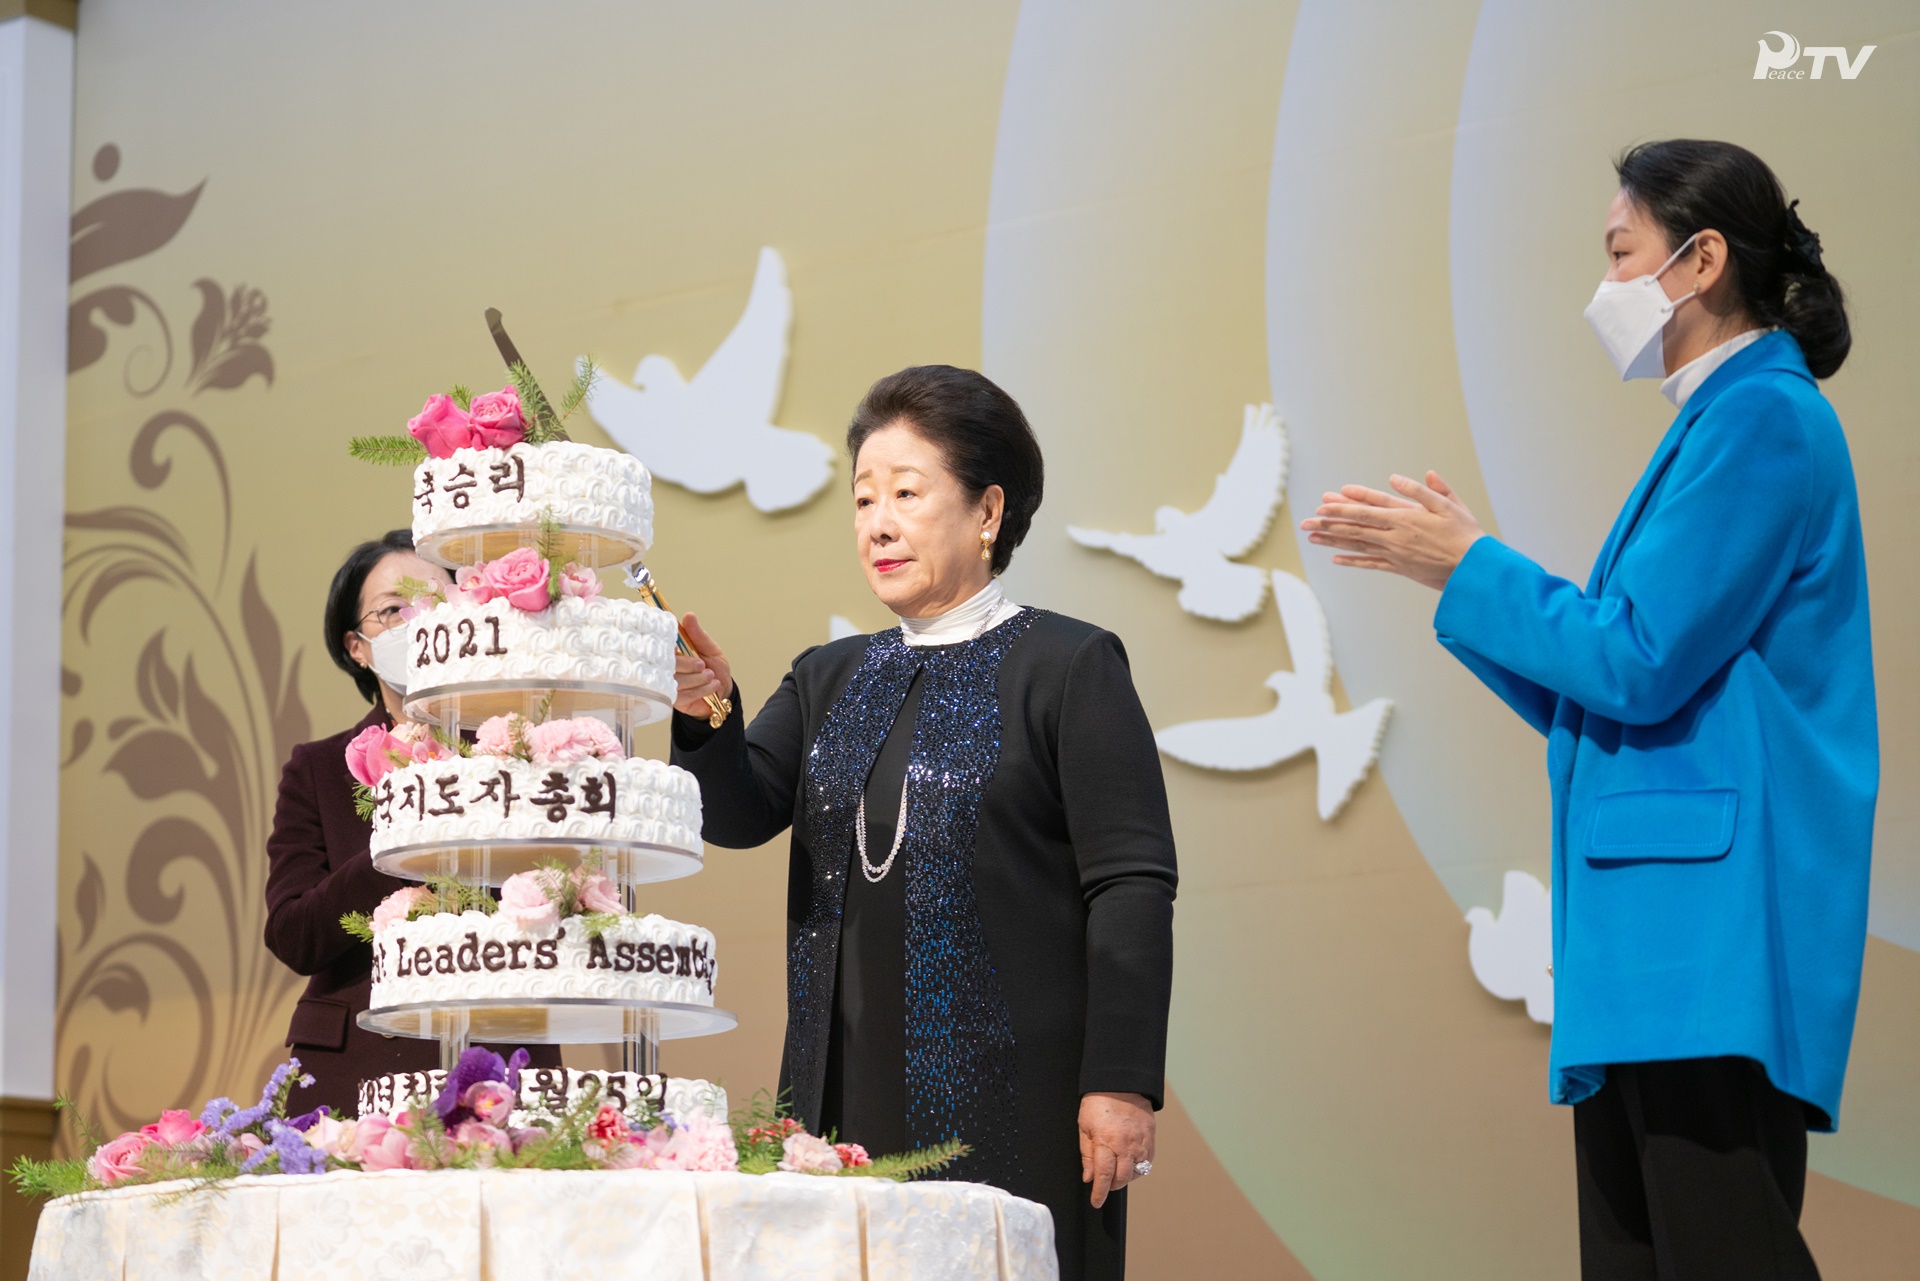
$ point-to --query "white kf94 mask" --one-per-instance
(1628, 315)
(390, 658)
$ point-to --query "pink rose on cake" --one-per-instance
(581, 583)
(568, 742)
(804, 1153)
(520, 577)
(442, 427)
(497, 420)
(119, 1159)
(852, 1155)
(524, 901)
(373, 752)
(397, 907)
(470, 586)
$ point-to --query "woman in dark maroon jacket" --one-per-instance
(319, 868)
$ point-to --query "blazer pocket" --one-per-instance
(318, 1023)
(1663, 825)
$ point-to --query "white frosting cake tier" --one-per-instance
(614, 644)
(546, 1093)
(582, 488)
(474, 956)
(479, 800)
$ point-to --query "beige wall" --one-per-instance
(1081, 199)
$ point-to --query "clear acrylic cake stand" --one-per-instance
(638, 1026)
(585, 545)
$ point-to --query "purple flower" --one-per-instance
(225, 1120)
(476, 1064)
(519, 1060)
(297, 1156)
(304, 1122)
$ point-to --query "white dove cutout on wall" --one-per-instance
(1512, 954)
(1197, 547)
(716, 431)
(1344, 744)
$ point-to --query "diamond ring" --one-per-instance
(1141, 1169)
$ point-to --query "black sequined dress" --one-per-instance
(1019, 954)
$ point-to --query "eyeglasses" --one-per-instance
(387, 615)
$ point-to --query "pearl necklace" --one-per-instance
(875, 875)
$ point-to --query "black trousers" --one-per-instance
(1691, 1170)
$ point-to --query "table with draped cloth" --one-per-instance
(544, 1225)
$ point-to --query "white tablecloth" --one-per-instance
(545, 1225)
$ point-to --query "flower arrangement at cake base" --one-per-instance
(464, 1127)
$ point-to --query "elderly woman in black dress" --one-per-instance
(980, 894)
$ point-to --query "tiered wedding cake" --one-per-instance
(526, 683)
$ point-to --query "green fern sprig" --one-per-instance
(585, 374)
(412, 589)
(364, 801)
(358, 924)
(387, 451)
(451, 741)
(543, 424)
(462, 395)
(902, 1166)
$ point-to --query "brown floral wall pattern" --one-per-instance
(166, 991)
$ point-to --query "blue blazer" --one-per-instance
(1711, 741)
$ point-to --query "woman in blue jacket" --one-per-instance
(1711, 741)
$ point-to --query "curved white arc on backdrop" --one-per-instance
(1362, 363)
(1561, 440)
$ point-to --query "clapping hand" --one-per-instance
(704, 672)
(1420, 531)
(1116, 1132)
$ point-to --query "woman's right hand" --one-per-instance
(704, 672)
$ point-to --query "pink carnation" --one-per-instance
(597, 893)
(442, 427)
(380, 1144)
(119, 1159)
(524, 901)
(568, 742)
(852, 1155)
(805, 1154)
(175, 1127)
(583, 583)
(497, 420)
(494, 737)
(371, 754)
(396, 907)
(609, 1125)
(701, 1143)
(521, 577)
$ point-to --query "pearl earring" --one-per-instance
(986, 544)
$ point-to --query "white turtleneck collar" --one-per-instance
(988, 608)
(1684, 381)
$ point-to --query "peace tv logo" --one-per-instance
(1779, 64)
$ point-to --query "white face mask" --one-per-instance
(389, 657)
(1628, 317)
